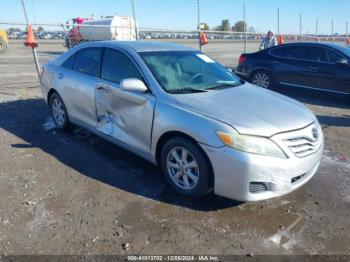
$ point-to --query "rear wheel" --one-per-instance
(59, 112)
(185, 167)
(262, 78)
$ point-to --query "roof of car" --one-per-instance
(145, 46)
(331, 45)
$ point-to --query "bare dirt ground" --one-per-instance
(73, 193)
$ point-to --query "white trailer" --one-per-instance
(110, 28)
(113, 28)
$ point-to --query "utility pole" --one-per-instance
(35, 55)
(245, 29)
(347, 29)
(317, 26)
(134, 17)
(199, 24)
(25, 12)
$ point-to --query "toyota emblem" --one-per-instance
(315, 133)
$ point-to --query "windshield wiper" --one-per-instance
(187, 90)
(223, 85)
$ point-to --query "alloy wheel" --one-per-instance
(261, 79)
(58, 112)
(182, 168)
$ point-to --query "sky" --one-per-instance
(182, 14)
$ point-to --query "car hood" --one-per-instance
(249, 109)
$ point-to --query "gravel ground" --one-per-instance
(73, 193)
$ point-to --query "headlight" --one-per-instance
(251, 144)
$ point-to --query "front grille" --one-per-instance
(302, 146)
(258, 187)
(303, 142)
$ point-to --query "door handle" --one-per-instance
(103, 88)
(60, 76)
(313, 68)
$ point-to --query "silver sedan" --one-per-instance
(178, 108)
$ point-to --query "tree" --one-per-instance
(239, 26)
(205, 26)
(40, 29)
(225, 26)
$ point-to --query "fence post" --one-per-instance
(300, 27)
(35, 55)
(278, 21)
(332, 31)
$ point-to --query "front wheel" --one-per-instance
(262, 78)
(185, 167)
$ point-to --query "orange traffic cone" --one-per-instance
(30, 38)
(280, 40)
(348, 42)
(204, 39)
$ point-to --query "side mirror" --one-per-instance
(342, 62)
(133, 85)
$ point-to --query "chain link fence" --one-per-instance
(17, 67)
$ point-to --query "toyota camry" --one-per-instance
(176, 107)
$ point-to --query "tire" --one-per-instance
(3, 45)
(262, 78)
(192, 179)
(58, 112)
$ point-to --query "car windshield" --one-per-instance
(188, 71)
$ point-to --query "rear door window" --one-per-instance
(88, 61)
(116, 66)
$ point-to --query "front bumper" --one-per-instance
(236, 171)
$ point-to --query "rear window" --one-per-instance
(294, 52)
(88, 61)
(276, 51)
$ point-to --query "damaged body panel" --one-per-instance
(125, 116)
(179, 109)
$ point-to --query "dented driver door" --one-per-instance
(124, 115)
